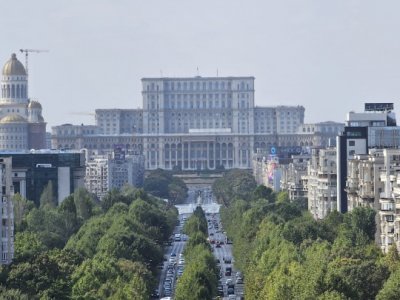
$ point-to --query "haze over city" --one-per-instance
(330, 57)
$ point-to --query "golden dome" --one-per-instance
(13, 119)
(14, 67)
(34, 104)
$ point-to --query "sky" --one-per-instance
(329, 56)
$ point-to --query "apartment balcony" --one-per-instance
(370, 196)
(396, 190)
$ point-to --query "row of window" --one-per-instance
(204, 85)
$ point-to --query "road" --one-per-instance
(199, 196)
(222, 252)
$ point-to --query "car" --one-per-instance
(231, 291)
(217, 245)
(228, 271)
(172, 260)
(239, 274)
(231, 297)
(155, 294)
(229, 282)
(227, 259)
(173, 254)
(211, 234)
(239, 280)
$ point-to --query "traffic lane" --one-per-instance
(221, 252)
(177, 248)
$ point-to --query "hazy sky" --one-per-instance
(329, 56)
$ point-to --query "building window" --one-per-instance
(352, 143)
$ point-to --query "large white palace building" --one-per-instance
(197, 123)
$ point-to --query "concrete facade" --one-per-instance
(197, 123)
(104, 173)
(7, 212)
(322, 181)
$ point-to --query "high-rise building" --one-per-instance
(321, 184)
(104, 173)
(374, 128)
(294, 177)
(7, 212)
(22, 126)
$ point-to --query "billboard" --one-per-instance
(379, 106)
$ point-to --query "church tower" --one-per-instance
(22, 126)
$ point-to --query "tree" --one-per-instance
(363, 219)
(45, 275)
(21, 207)
(283, 197)
(84, 204)
(392, 259)
(355, 278)
(27, 244)
(12, 294)
(391, 288)
(114, 196)
(163, 184)
(263, 192)
(235, 184)
(47, 197)
(106, 277)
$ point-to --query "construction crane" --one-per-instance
(27, 51)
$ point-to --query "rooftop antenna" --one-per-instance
(197, 71)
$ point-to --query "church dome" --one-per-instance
(34, 104)
(14, 67)
(13, 119)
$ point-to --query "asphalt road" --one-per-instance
(201, 196)
(215, 232)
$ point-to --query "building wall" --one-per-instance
(32, 171)
(322, 182)
(194, 123)
(104, 173)
(7, 212)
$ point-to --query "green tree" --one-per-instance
(391, 288)
(106, 277)
(21, 207)
(45, 275)
(47, 198)
(392, 259)
(263, 192)
(26, 245)
(12, 294)
(363, 219)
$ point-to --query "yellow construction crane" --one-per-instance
(27, 51)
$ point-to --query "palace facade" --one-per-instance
(197, 123)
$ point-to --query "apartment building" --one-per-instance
(322, 182)
(294, 177)
(104, 173)
(7, 212)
